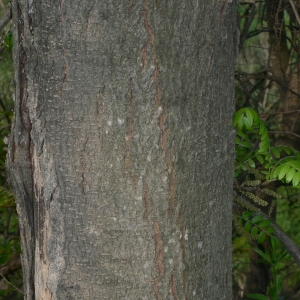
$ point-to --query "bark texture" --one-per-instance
(121, 153)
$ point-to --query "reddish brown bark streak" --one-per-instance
(173, 288)
(159, 258)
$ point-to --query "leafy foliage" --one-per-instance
(256, 158)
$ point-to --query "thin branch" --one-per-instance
(12, 265)
(261, 74)
(273, 113)
(258, 31)
(295, 11)
(5, 18)
(12, 284)
(2, 5)
(244, 35)
(287, 242)
(285, 132)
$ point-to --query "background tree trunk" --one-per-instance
(121, 153)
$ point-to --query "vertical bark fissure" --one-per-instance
(19, 160)
(159, 257)
(173, 288)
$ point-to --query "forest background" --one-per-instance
(267, 83)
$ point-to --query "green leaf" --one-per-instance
(283, 171)
(264, 223)
(260, 159)
(287, 150)
(247, 226)
(248, 123)
(279, 284)
(261, 238)
(296, 179)
(242, 134)
(282, 254)
(264, 146)
(251, 163)
(274, 243)
(237, 140)
(268, 157)
(237, 173)
(240, 123)
(273, 292)
(295, 164)
(237, 116)
(257, 219)
(249, 114)
(269, 230)
(246, 144)
(276, 152)
(290, 174)
(276, 171)
(246, 215)
(257, 296)
(267, 166)
(254, 230)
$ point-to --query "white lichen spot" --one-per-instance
(172, 241)
(109, 122)
(166, 249)
(200, 244)
(194, 293)
(186, 236)
(5, 140)
(120, 121)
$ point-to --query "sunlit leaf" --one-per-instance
(290, 174)
(296, 179)
(283, 171)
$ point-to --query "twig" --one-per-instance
(280, 113)
(295, 11)
(288, 243)
(285, 132)
(244, 35)
(5, 18)
(12, 284)
(2, 5)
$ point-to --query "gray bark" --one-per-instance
(121, 152)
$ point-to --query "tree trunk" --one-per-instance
(121, 153)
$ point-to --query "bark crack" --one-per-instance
(146, 199)
(159, 255)
(173, 288)
(182, 246)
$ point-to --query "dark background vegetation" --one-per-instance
(267, 79)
